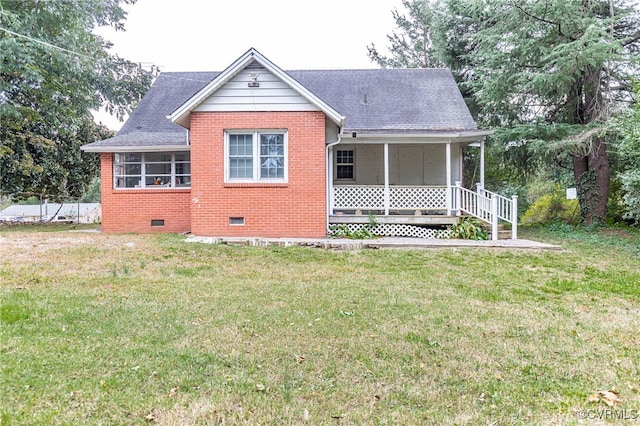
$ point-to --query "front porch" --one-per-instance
(411, 185)
(417, 210)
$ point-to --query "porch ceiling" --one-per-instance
(411, 136)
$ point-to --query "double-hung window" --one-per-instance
(345, 164)
(152, 170)
(256, 156)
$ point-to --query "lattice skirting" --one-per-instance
(402, 230)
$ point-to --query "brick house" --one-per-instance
(256, 151)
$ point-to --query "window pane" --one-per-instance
(132, 182)
(241, 168)
(183, 168)
(344, 172)
(241, 156)
(183, 156)
(240, 145)
(132, 169)
(158, 157)
(183, 181)
(127, 170)
(272, 144)
(272, 169)
(151, 181)
(131, 157)
(344, 156)
(271, 156)
(158, 169)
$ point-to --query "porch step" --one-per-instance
(503, 234)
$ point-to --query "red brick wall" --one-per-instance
(132, 210)
(293, 209)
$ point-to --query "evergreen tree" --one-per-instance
(559, 68)
(411, 46)
(629, 128)
(548, 75)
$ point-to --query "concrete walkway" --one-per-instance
(384, 242)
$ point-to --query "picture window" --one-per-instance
(256, 156)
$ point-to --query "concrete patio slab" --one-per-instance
(377, 243)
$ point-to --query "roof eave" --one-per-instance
(138, 148)
(461, 136)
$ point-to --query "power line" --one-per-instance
(183, 78)
(45, 43)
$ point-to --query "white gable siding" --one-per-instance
(272, 95)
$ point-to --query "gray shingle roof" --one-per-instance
(148, 125)
(392, 99)
(373, 101)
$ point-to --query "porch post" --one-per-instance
(386, 180)
(448, 173)
(457, 198)
(494, 218)
(482, 163)
(514, 217)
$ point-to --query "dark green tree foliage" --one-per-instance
(550, 74)
(629, 127)
(53, 72)
(546, 74)
(411, 46)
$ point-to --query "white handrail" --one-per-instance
(488, 207)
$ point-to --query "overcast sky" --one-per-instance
(208, 35)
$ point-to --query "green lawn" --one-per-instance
(131, 329)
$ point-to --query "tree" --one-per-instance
(53, 72)
(629, 127)
(547, 75)
(412, 46)
(554, 71)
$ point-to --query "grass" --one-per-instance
(133, 329)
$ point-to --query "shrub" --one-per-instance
(553, 207)
(466, 228)
(363, 233)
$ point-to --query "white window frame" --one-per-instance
(255, 155)
(353, 164)
(171, 184)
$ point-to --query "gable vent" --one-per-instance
(254, 66)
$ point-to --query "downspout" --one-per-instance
(329, 174)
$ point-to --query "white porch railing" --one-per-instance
(401, 197)
(488, 207)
